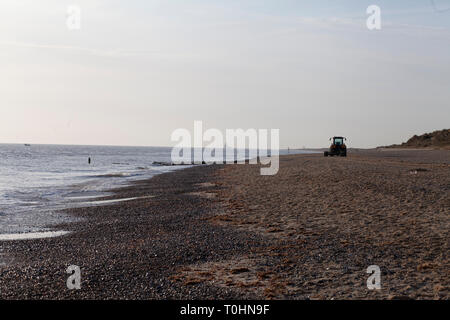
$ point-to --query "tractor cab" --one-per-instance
(337, 148)
(338, 141)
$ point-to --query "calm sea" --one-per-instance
(37, 180)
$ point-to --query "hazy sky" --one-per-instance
(137, 70)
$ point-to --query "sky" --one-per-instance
(138, 70)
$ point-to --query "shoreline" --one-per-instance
(224, 232)
(125, 243)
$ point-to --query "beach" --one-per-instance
(226, 232)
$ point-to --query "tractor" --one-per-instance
(338, 148)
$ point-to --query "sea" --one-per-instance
(37, 181)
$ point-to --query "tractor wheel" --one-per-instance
(325, 154)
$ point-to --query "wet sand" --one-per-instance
(226, 232)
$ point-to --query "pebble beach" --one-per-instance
(226, 232)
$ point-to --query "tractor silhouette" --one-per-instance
(338, 148)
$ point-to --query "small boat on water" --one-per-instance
(27, 145)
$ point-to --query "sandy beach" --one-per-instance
(226, 232)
